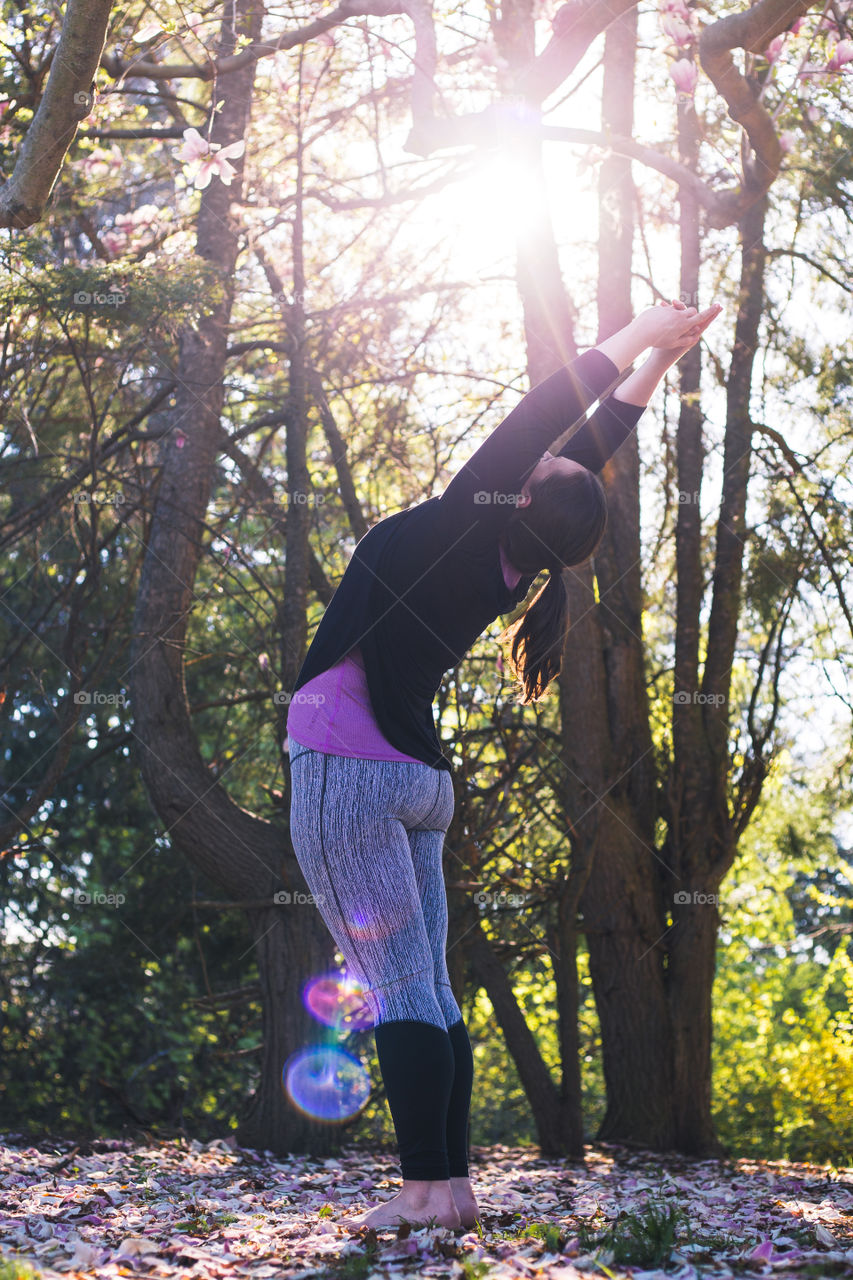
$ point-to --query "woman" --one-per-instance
(372, 795)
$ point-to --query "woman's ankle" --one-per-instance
(421, 1191)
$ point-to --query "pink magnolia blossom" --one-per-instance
(194, 146)
(208, 158)
(101, 162)
(787, 140)
(774, 48)
(147, 218)
(4, 106)
(684, 75)
(796, 26)
(841, 55)
(813, 114)
(677, 29)
(113, 242)
(677, 7)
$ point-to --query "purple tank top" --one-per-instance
(333, 712)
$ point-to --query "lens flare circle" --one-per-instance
(371, 921)
(326, 1083)
(337, 1001)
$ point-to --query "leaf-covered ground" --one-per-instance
(176, 1209)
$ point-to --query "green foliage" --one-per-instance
(647, 1237)
(203, 1223)
(17, 1269)
(473, 1269)
(356, 1266)
(546, 1231)
(156, 298)
(783, 1041)
(104, 1016)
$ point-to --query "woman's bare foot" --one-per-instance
(465, 1200)
(419, 1203)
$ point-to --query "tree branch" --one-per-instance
(751, 31)
(66, 101)
(211, 70)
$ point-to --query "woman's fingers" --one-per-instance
(704, 319)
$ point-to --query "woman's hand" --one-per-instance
(670, 329)
(667, 326)
(639, 386)
(688, 339)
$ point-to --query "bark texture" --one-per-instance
(244, 855)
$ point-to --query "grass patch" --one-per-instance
(646, 1238)
(200, 1224)
(17, 1269)
(475, 1270)
(547, 1232)
(355, 1266)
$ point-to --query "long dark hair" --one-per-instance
(561, 526)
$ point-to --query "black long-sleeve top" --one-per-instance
(424, 583)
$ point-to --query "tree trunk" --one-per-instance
(550, 1114)
(563, 943)
(243, 854)
(690, 983)
(621, 909)
(691, 942)
(286, 952)
(701, 842)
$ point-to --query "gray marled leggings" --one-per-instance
(368, 836)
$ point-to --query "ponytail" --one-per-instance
(538, 638)
(562, 526)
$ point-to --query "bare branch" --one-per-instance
(211, 69)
